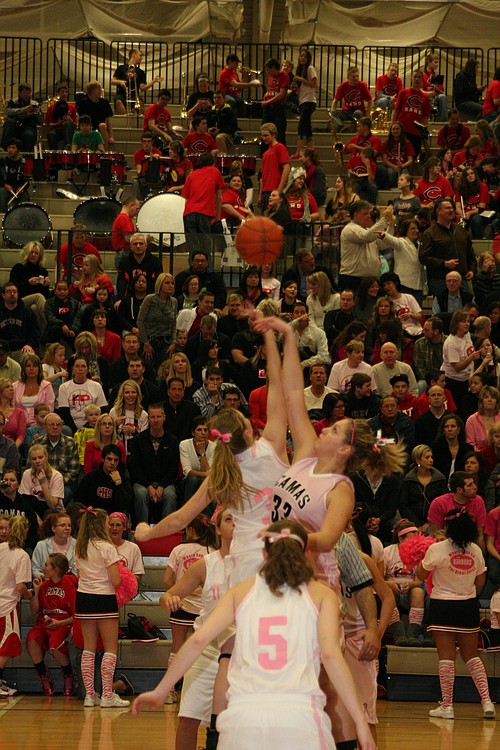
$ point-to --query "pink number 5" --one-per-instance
(266, 638)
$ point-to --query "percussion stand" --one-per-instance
(82, 187)
(134, 109)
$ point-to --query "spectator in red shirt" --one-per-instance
(361, 168)
(275, 164)
(491, 105)
(203, 194)
(471, 198)
(158, 121)
(123, 228)
(471, 155)
(397, 156)
(303, 209)
(454, 134)
(387, 87)
(434, 90)
(79, 249)
(356, 99)
(412, 105)
(61, 119)
(109, 344)
(463, 494)
(273, 104)
(198, 141)
(148, 166)
(432, 186)
(230, 84)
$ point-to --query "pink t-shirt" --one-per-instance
(492, 527)
(454, 571)
(441, 505)
(15, 567)
(93, 576)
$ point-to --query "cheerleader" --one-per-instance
(286, 623)
(15, 572)
(53, 605)
(458, 575)
(96, 606)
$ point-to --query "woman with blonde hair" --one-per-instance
(128, 413)
(86, 347)
(104, 434)
(177, 366)
(322, 297)
(15, 416)
(32, 279)
(53, 366)
(488, 413)
(31, 389)
(156, 319)
(92, 277)
(42, 481)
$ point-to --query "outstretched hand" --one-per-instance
(150, 699)
(271, 324)
(142, 532)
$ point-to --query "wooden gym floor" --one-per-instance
(63, 724)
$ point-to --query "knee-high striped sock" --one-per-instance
(108, 665)
(446, 670)
(478, 674)
(88, 668)
(395, 616)
(416, 615)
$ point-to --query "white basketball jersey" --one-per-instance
(213, 588)
(276, 649)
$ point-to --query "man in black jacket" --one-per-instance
(179, 411)
(139, 261)
(14, 504)
(18, 324)
(154, 466)
(118, 371)
(108, 486)
(222, 122)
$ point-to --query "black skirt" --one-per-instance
(454, 616)
(95, 606)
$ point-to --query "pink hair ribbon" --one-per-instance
(273, 536)
(225, 437)
(89, 509)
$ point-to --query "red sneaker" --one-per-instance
(69, 684)
(47, 686)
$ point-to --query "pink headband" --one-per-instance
(121, 517)
(225, 437)
(408, 530)
(273, 536)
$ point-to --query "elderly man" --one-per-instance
(446, 246)
(361, 243)
(390, 365)
(139, 261)
(453, 298)
(62, 452)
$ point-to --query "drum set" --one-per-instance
(44, 165)
(223, 162)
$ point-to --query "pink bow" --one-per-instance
(90, 509)
(273, 536)
(224, 436)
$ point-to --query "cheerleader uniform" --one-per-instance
(57, 601)
(15, 567)
(274, 699)
(96, 598)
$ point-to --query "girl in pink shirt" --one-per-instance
(458, 571)
(96, 606)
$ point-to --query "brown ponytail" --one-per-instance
(286, 562)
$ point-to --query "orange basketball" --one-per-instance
(259, 240)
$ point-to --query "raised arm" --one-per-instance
(293, 387)
(275, 429)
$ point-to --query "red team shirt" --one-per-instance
(199, 144)
(272, 162)
(392, 155)
(492, 92)
(160, 115)
(355, 165)
(412, 105)
(428, 192)
(360, 140)
(453, 138)
(461, 159)
(200, 190)
(354, 97)
(473, 201)
(231, 197)
(275, 84)
(388, 86)
(297, 206)
(227, 75)
(141, 158)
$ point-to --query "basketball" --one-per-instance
(259, 240)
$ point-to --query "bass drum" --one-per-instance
(163, 213)
(98, 215)
(27, 222)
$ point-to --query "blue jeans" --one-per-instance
(142, 501)
(366, 190)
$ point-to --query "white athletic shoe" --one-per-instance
(91, 701)
(442, 712)
(488, 710)
(7, 688)
(114, 702)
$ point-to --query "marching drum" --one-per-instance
(86, 161)
(113, 167)
(193, 158)
(98, 215)
(163, 213)
(249, 164)
(27, 222)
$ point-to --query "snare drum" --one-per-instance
(38, 169)
(193, 158)
(64, 159)
(224, 161)
(25, 223)
(86, 161)
(98, 215)
(117, 165)
(28, 164)
(163, 213)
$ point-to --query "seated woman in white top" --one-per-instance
(196, 456)
(42, 481)
(342, 372)
(405, 306)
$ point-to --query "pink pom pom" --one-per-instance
(128, 588)
(412, 551)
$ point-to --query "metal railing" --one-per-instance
(21, 61)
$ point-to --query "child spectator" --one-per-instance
(360, 401)
(84, 434)
(53, 367)
(53, 604)
(37, 430)
(15, 572)
(400, 390)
